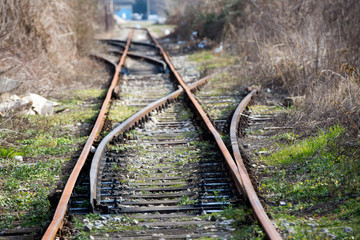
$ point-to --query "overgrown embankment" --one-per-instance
(304, 48)
(37, 154)
(45, 43)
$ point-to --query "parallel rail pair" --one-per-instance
(236, 167)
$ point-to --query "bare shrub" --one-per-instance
(208, 18)
(336, 101)
(297, 46)
(42, 42)
(300, 46)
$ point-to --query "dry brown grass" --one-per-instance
(337, 100)
(300, 46)
(208, 18)
(44, 43)
(297, 46)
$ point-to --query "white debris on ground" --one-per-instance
(40, 105)
(118, 19)
(219, 49)
(12, 103)
(31, 104)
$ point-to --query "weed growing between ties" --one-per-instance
(242, 220)
(225, 82)
(94, 224)
(186, 200)
(34, 153)
(120, 113)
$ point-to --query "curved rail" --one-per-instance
(138, 117)
(147, 58)
(240, 177)
(119, 42)
(248, 188)
(104, 59)
(115, 43)
(60, 212)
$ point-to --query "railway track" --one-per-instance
(164, 168)
(169, 173)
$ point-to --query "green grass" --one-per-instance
(202, 56)
(86, 94)
(76, 112)
(308, 148)
(24, 190)
(318, 177)
(186, 200)
(315, 168)
(9, 153)
(46, 144)
(246, 227)
(346, 214)
(159, 30)
(288, 137)
(75, 116)
(209, 60)
(120, 113)
(263, 109)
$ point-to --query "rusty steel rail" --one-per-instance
(60, 212)
(130, 54)
(240, 177)
(114, 43)
(229, 160)
(104, 59)
(248, 188)
(138, 118)
(147, 58)
(119, 43)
